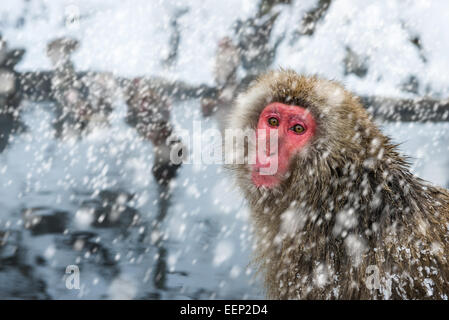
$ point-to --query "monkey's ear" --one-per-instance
(14, 57)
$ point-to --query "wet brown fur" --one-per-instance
(349, 206)
(148, 111)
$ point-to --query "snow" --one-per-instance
(205, 239)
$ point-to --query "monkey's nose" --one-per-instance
(264, 161)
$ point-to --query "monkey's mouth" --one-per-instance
(262, 177)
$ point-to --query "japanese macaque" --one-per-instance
(60, 50)
(341, 217)
(227, 61)
(149, 113)
(73, 109)
(83, 101)
(103, 91)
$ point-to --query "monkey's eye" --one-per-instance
(298, 129)
(273, 122)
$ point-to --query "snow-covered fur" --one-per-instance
(349, 221)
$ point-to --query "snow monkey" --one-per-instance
(72, 108)
(149, 112)
(227, 60)
(84, 100)
(342, 217)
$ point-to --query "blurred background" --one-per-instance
(93, 94)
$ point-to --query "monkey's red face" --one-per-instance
(294, 126)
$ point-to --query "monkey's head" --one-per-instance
(60, 49)
(306, 130)
(148, 111)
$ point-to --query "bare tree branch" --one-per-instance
(313, 16)
(407, 110)
(36, 86)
